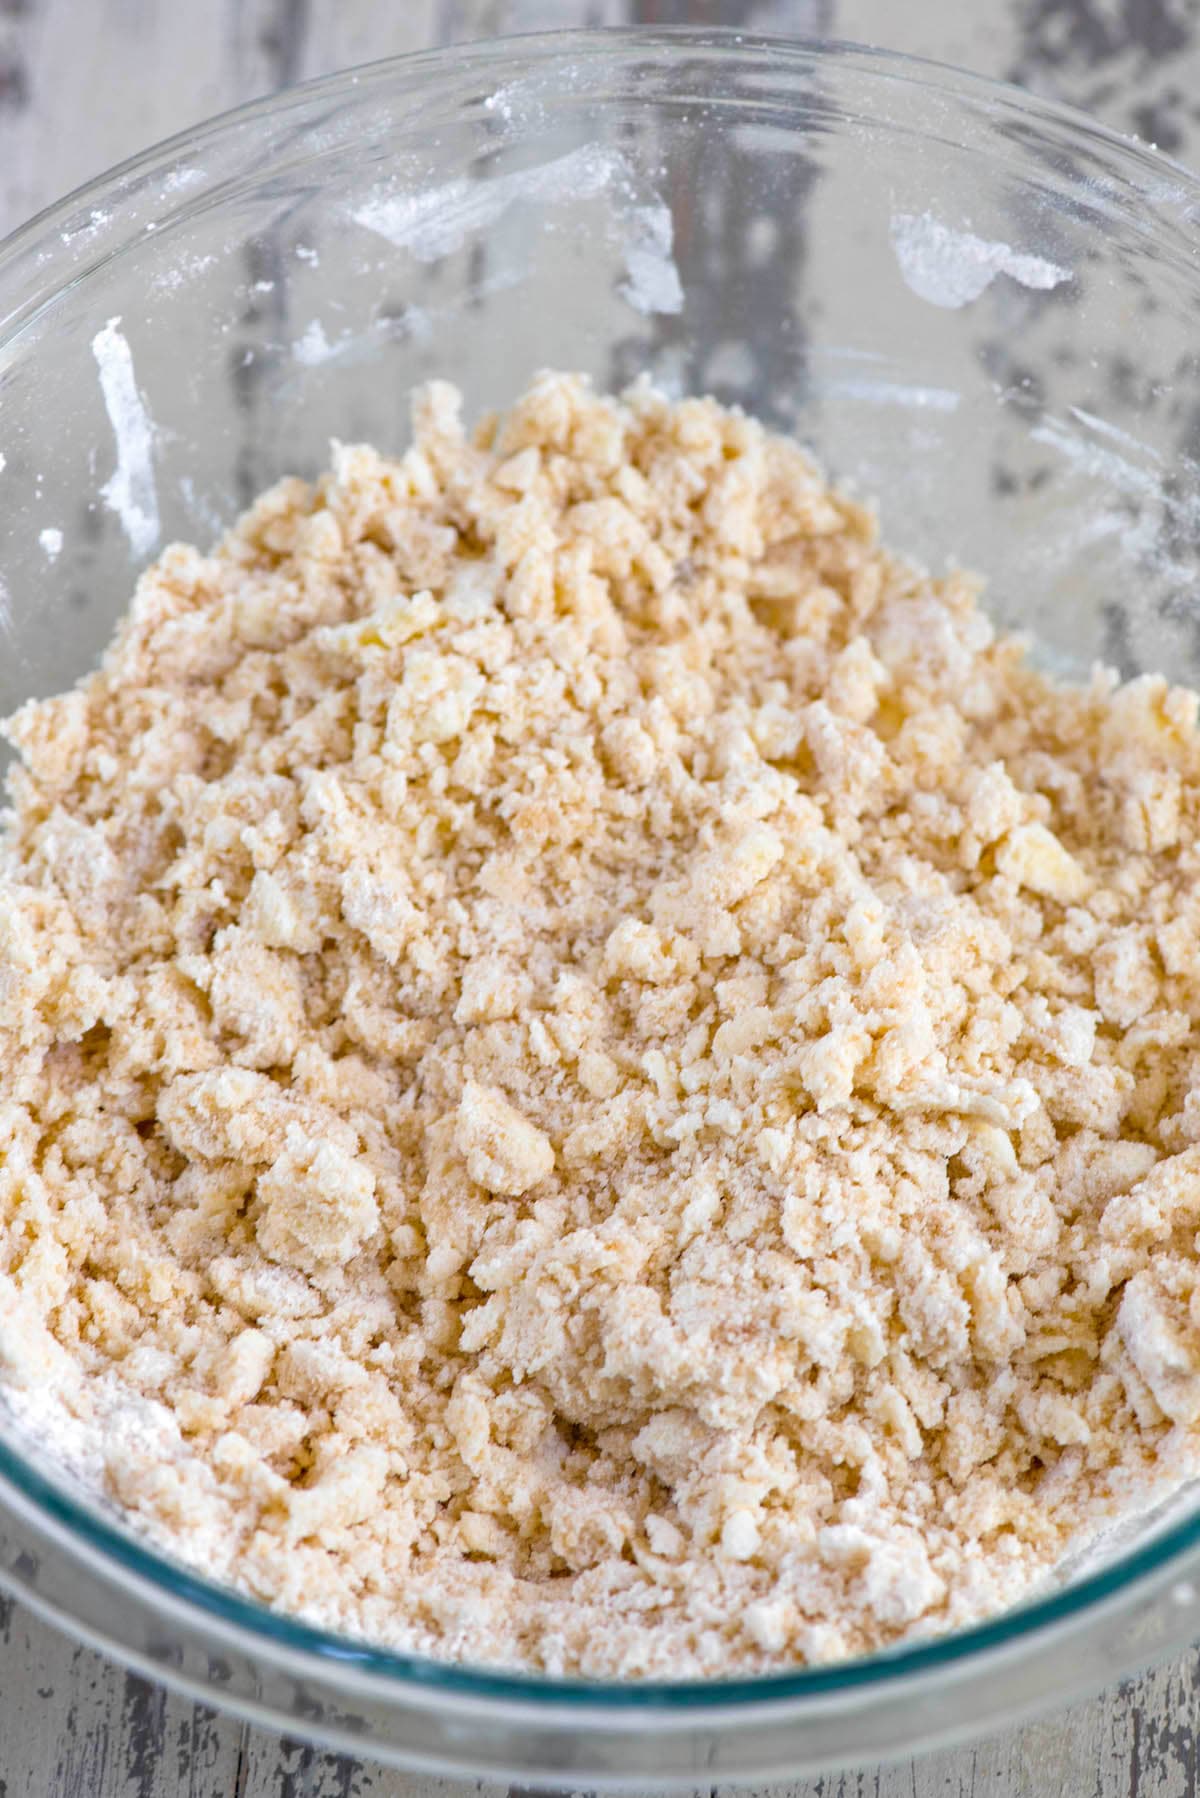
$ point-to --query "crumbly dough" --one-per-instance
(596, 1076)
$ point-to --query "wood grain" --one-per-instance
(84, 83)
(76, 1726)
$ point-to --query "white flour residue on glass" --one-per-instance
(653, 280)
(417, 322)
(181, 273)
(174, 179)
(1148, 514)
(897, 393)
(199, 507)
(130, 491)
(1108, 464)
(92, 223)
(951, 268)
(433, 222)
(731, 364)
(51, 541)
(523, 103)
(313, 347)
(503, 103)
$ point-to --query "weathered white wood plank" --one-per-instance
(113, 71)
(76, 1726)
(83, 86)
(275, 1768)
(338, 37)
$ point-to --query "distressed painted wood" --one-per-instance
(84, 83)
(75, 1726)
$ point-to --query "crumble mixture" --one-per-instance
(596, 1076)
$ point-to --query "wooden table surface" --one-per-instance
(86, 82)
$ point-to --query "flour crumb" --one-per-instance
(599, 1077)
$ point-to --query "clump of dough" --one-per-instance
(317, 1204)
(596, 1075)
(503, 1151)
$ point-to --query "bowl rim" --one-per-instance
(1170, 198)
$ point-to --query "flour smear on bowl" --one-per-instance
(597, 1076)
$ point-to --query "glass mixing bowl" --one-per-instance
(977, 306)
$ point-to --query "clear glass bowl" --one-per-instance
(978, 306)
